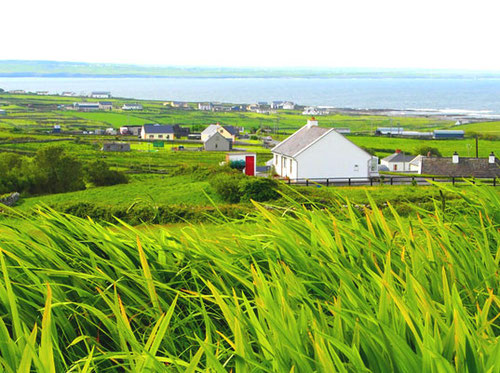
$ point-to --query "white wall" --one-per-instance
(333, 156)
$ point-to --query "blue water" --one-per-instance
(455, 95)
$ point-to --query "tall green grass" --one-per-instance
(306, 291)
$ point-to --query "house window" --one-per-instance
(395, 167)
(356, 167)
(151, 136)
(276, 159)
(284, 162)
(160, 136)
(168, 137)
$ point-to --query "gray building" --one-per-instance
(115, 147)
(217, 142)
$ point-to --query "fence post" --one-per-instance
(494, 181)
(453, 180)
(371, 181)
(307, 182)
(289, 181)
(327, 182)
(391, 180)
(349, 181)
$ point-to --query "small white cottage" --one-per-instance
(318, 153)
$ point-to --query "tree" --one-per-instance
(426, 150)
(99, 174)
(56, 171)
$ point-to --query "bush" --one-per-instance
(425, 150)
(99, 174)
(259, 189)
(233, 188)
(228, 186)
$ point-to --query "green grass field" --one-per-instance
(301, 290)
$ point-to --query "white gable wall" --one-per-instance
(332, 156)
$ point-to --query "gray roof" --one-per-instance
(156, 128)
(466, 167)
(300, 140)
(399, 157)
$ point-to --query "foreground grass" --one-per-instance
(308, 291)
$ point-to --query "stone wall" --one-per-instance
(10, 199)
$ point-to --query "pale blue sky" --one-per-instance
(316, 33)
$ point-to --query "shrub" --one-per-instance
(259, 189)
(99, 174)
(228, 186)
(425, 150)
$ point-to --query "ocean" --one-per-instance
(474, 97)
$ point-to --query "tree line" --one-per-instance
(53, 170)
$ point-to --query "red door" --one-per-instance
(250, 165)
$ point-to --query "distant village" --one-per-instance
(311, 153)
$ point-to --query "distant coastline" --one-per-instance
(56, 69)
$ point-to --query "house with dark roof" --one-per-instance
(157, 132)
(105, 105)
(456, 166)
(314, 152)
(398, 162)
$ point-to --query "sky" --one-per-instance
(436, 34)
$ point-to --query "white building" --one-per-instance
(398, 162)
(132, 107)
(214, 128)
(320, 153)
(288, 105)
(100, 95)
(205, 106)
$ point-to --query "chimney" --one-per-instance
(491, 158)
(455, 158)
(312, 122)
(398, 151)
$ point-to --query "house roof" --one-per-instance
(215, 135)
(231, 129)
(300, 140)
(399, 157)
(105, 103)
(466, 167)
(156, 128)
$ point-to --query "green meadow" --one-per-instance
(302, 289)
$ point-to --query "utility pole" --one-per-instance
(477, 147)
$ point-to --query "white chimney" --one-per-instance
(491, 158)
(455, 158)
(312, 122)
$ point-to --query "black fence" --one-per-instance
(392, 180)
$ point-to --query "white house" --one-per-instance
(398, 162)
(205, 106)
(288, 105)
(100, 95)
(319, 153)
(132, 107)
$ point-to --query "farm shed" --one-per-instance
(449, 134)
(247, 162)
(116, 147)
